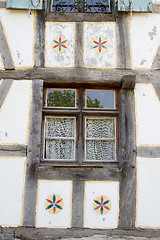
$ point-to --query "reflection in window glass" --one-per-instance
(61, 98)
(100, 99)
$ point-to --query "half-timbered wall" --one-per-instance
(121, 52)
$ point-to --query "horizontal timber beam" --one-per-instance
(112, 77)
(81, 174)
(80, 17)
(15, 150)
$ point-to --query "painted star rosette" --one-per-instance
(54, 204)
(102, 205)
(60, 44)
(100, 44)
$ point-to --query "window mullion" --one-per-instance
(80, 149)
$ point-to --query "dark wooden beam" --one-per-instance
(4, 89)
(17, 150)
(80, 17)
(110, 77)
(5, 51)
(33, 154)
(79, 174)
(127, 158)
(2, 4)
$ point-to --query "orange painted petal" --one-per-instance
(56, 46)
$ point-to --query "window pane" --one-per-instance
(100, 150)
(97, 6)
(60, 149)
(80, 6)
(100, 99)
(60, 127)
(61, 98)
(100, 128)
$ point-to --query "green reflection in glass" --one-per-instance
(61, 98)
(100, 99)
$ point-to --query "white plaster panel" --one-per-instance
(106, 58)
(93, 218)
(54, 56)
(14, 113)
(12, 172)
(61, 218)
(147, 115)
(19, 29)
(145, 39)
(148, 194)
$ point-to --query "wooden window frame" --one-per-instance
(80, 113)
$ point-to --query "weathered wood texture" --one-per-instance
(39, 39)
(4, 89)
(79, 174)
(123, 41)
(157, 89)
(16, 150)
(5, 51)
(33, 154)
(156, 62)
(80, 17)
(121, 61)
(48, 234)
(148, 152)
(127, 160)
(2, 4)
(155, 8)
(77, 204)
(112, 77)
(128, 82)
(79, 45)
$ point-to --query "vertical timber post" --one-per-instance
(33, 154)
(127, 146)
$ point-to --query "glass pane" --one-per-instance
(100, 99)
(100, 128)
(97, 6)
(60, 127)
(63, 6)
(80, 6)
(100, 150)
(61, 98)
(59, 149)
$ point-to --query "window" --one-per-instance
(80, 125)
(103, 6)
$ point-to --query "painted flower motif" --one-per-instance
(60, 44)
(100, 44)
(54, 204)
(102, 205)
